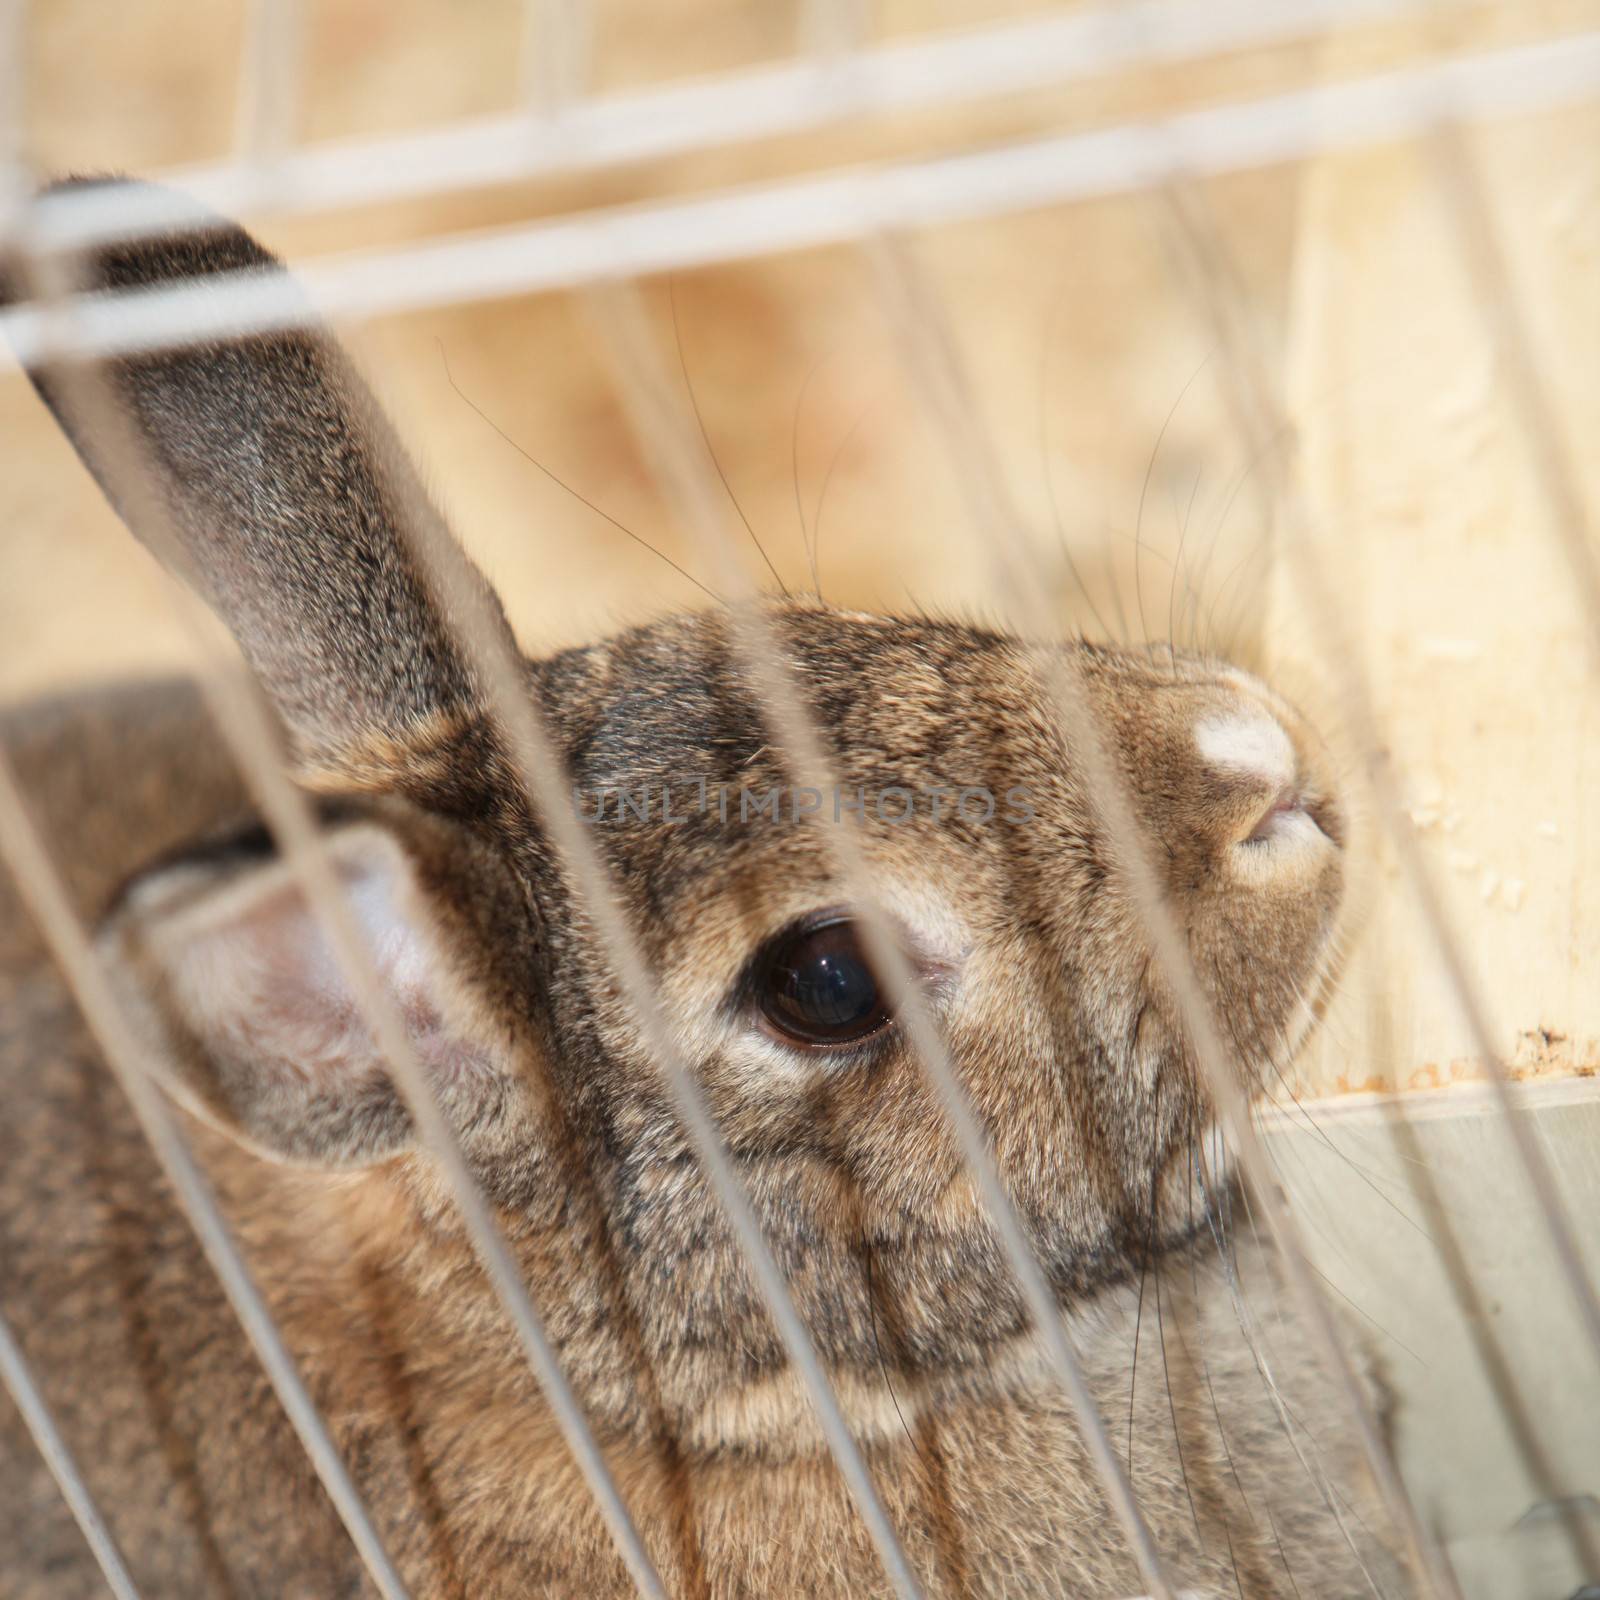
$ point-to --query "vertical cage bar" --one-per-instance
(42, 891)
(247, 730)
(533, 752)
(269, 84)
(1260, 416)
(539, 769)
(1461, 182)
(933, 362)
(237, 709)
(657, 422)
(18, 1377)
(833, 33)
(13, 110)
(556, 48)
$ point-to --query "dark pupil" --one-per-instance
(820, 989)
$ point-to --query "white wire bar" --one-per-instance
(933, 361)
(241, 723)
(13, 79)
(555, 64)
(40, 884)
(793, 97)
(834, 208)
(17, 1376)
(540, 771)
(237, 710)
(14, 176)
(1545, 434)
(1261, 419)
(249, 734)
(833, 34)
(269, 82)
(754, 221)
(290, 818)
(658, 423)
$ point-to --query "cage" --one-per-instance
(1255, 328)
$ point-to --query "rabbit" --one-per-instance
(286, 492)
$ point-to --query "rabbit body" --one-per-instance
(276, 481)
(210, 1492)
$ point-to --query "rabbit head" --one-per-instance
(271, 478)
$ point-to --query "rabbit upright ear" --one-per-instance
(291, 500)
(235, 985)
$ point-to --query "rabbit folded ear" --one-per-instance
(253, 1023)
(291, 502)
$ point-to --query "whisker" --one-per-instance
(705, 438)
(1233, 1562)
(1045, 462)
(1292, 1426)
(1177, 1437)
(561, 483)
(1322, 1138)
(1177, 563)
(1144, 1264)
(1216, 1410)
(1283, 1555)
(1138, 1323)
(827, 483)
(1144, 490)
(794, 465)
(883, 1366)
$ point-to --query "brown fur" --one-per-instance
(1037, 970)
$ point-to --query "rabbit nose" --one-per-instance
(1250, 750)
(1248, 743)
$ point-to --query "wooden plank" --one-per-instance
(1433, 522)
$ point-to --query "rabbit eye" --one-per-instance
(816, 989)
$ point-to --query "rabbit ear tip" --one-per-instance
(92, 180)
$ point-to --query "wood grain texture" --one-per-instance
(1433, 523)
